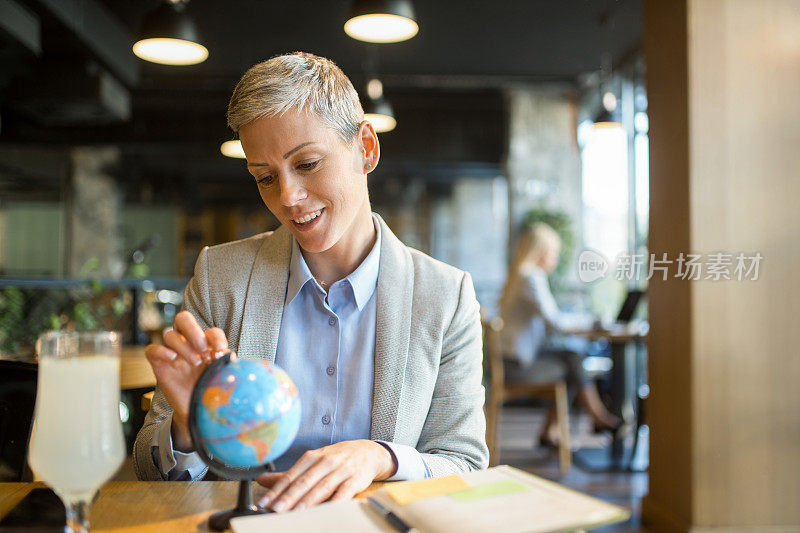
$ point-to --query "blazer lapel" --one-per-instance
(266, 292)
(392, 332)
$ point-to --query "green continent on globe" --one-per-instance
(261, 438)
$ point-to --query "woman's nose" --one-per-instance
(291, 191)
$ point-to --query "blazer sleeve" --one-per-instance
(196, 301)
(453, 438)
(536, 291)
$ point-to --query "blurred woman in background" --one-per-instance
(535, 349)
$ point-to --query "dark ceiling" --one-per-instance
(529, 39)
(445, 83)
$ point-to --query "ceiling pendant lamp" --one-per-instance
(232, 149)
(169, 36)
(609, 116)
(381, 21)
(377, 110)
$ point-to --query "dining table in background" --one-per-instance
(134, 369)
(628, 374)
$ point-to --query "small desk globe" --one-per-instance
(244, 414)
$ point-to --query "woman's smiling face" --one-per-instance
(308, 177)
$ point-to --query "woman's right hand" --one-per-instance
(187, 351)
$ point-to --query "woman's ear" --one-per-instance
(368, 145)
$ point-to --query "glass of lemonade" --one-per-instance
(77, 442)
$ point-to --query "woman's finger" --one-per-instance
(323, 489)
(328, 471)
(216, 339)
(176, 342)
(161, 359)
(292, 479)
(187, 325)
(156, 353)
(268, 479)
(348, 489)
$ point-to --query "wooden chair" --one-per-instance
(147, 400)
(499, 392)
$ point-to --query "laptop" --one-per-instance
(629, 306)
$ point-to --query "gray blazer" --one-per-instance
(427, 384)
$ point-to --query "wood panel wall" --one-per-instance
(669, 346)
(724, 85)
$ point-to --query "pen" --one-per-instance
(393, 519)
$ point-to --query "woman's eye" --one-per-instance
(264, 180)
(307, 166)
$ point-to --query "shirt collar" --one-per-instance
(363, 279)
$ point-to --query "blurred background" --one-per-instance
(497, 115)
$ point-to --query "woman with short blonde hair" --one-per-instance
(383, 342)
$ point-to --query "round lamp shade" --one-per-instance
(381, 21)
(232, 149)
(169, 37)
(381, 123)
(380, 114)
(607, 119)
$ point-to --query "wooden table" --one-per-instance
(623, 341)
(133, 506)
(134, 369)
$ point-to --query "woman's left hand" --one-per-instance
(339, 472)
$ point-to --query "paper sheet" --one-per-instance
(332, 517)
(406, 492)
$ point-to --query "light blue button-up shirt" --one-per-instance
(327, 346)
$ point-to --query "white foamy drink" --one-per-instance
(77, 442)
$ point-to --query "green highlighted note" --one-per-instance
(489, 490)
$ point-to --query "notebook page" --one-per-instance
(512, 501)
(332, 517)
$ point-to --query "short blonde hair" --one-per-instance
(299, 81)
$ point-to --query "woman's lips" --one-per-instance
(311, 224)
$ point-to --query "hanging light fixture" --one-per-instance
(381, 21)
(609, 116)
(377, 110)
(232, 149)
(169, 36)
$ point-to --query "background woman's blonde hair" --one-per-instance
(298, 80)
(533, 243)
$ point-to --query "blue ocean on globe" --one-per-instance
(247, 412)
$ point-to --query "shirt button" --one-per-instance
(330, 370)
(326, 420)
(332, 321)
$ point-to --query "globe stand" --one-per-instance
(281, 391)
(244, 506)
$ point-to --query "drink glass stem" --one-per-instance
(78, 516)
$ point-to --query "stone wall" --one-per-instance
(92, 214)
(543, 162)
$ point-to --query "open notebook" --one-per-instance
(498, 499)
